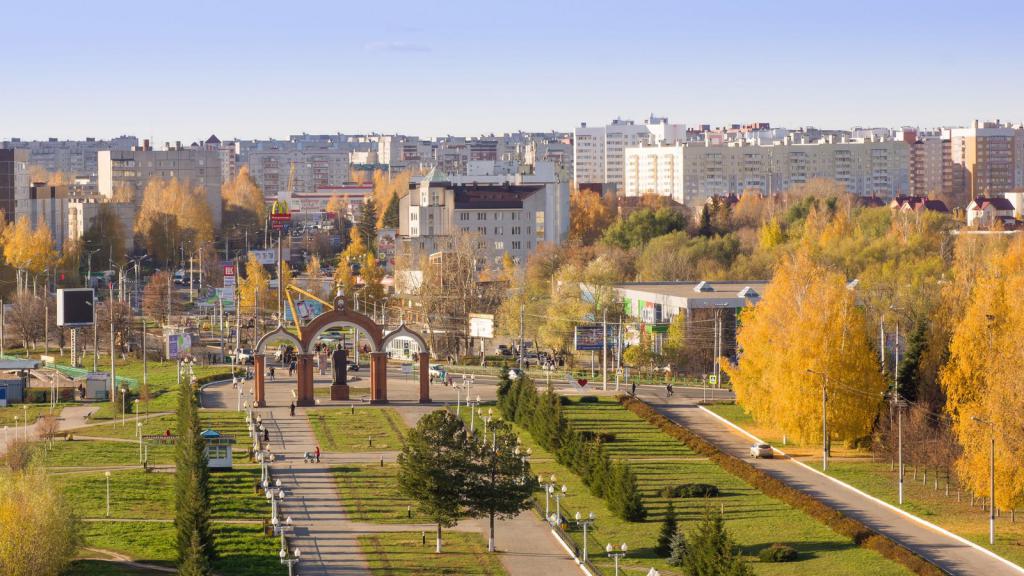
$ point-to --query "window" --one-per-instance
(498, 230)
(499, 245)
(481, 215)
(481, 230)
(540, 225)
(464, 216)
(517, 245)
(517, 230)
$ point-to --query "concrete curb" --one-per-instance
(571, 553)
(896, 509)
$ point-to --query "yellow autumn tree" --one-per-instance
(257, 279)
(27, 251)
(807, 320)
(172, 212)
(345, 281)
(372, 276)
(981, 379)
(589, 216)
(243, 200)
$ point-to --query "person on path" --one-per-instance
(633, 390)
(291, 408)
(271, 372)
(266, 434)
(317, 453)
(668, 390)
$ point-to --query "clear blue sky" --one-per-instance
(183, 69)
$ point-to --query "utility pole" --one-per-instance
(145, 364)
(522, 332)
(604, 350)
(899, 444)
(113, 369)
(881, 339)
(824, 426)
(1, 327)
(168, 299)
(280, 277)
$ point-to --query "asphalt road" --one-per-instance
(947, 552)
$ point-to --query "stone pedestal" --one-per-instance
(339, 391)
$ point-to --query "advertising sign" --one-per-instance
(265, 257)
(230, 275)
(481, 325)
(179, 345)
(280, 216)
(588, 337)
(75, 307)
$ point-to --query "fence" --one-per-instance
(76, 373)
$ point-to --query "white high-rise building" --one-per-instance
(599, 151)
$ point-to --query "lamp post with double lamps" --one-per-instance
(274, 493)
(558, 501)
(547, 486)
(617, 554)
(290, 560)
(472, 414)
(991, 479)
(586, 523)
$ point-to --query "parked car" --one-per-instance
(761, 451)
(504, 350)
(515, 373)
(353, 367)
(437, 371)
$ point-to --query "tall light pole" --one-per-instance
(824, 419)
(547, 486)
(991, 479)
(290, 561)
(88, 277)
(107, 475)
(617, 555)
(472, 413)
(558, 502)
(585, 523)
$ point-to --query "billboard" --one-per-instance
(481, 325)
(588, 337)
(230, 275)
(265, 257)
(75, 307)
(179, 345)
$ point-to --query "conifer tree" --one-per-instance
(368, 225)
(677, 549)
(711, 552)
(192, 496)
(391, 214)
(668, 530)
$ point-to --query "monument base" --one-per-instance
(339, 391)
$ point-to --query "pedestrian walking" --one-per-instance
(668, 390)
(271, 372)
(266, 434)
(291, 408)
(317, 453)
(633, 389)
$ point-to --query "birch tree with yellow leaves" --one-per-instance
(171, 212)
(807, 321)
(981, 379)
(28, 251)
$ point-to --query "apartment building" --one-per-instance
(302, 168)
(132, 169)
(599, 151)
(931, 166)
(690, 173)
(14, 182)
(987, 159)
(75, 157)
(512, 217)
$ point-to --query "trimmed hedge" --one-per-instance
(588, 400)
(582, 452)
(778, 553)
(834, 519)
(697, 491)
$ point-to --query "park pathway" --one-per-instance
(323, 531)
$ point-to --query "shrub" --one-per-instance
(588, 400)
(603, 437)
(778, 553)
(669, 491)
(697, 490)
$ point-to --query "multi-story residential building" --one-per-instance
(931, 167)
(513, 217)
(987, 159)
(131, 169)
(694, 171)
(14, 184)
(74, 157)
(46, 205)
(302, 169)
(599, 151)
(82, 213)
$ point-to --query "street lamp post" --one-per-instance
(824, 419)
(138, 431)
(275, 494)
(558, 501)
(585, 523)
(290, 561)
(991, 479)
(24, 410)
(124, 405)
(617, 555)
(472, 414)
(107, 475)
(547, 490)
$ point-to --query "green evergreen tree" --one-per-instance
(668, 530)
(910, 374)
(628, 505)
(500, 483)
(434, 468)
(711, 552)
(391, 212)
(705, 228)
(192, 492)
(368, 225)
(548, 422)
(677, 549)
(195, 561)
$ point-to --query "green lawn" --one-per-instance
(370, 493)
(34, 411)
(922, 499)
(90, 567)
(755, 520)
(99, 453)
(345, 430)
(736, 414)
(353, 391)
(224, 421)
(404, 554)
(242, 549)
(142, 495)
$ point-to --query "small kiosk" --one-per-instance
(218, 449)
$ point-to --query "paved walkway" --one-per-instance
(947, 552)
(70, 417)
(328, 538)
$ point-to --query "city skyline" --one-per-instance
(259, 73)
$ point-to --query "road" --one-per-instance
(947, 552)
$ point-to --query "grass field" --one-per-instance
(224, 421)
(754, 520)
(142, 495)
(99, 453)
(242, 549)
(353, 391)
(404, 554)
(922, 499)
(34, 411)
(370, 493)
(735, 414)
(344, 430)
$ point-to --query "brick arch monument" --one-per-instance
(305, 343)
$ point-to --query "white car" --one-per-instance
(761, 451)
(437, 371)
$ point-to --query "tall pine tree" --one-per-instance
(368, 225)
(391, 212)
(668, 530)
(711, 552)
(192, 493)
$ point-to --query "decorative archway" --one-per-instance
(259, 361)
(340, 315)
